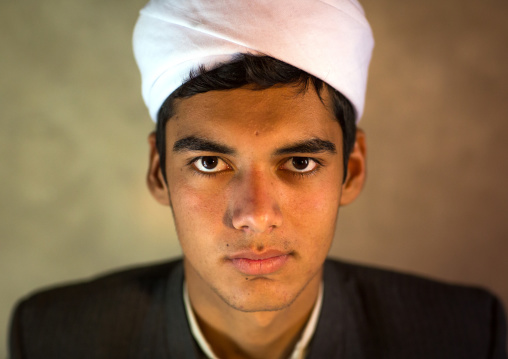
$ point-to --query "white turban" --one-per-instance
(330, 39)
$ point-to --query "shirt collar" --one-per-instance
(300, 350)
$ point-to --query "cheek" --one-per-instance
(313, 213)
(320, 200)
(196, 210)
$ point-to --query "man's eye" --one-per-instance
(300, 164)
(210, 164)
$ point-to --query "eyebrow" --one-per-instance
(193, 143)
(315, 145)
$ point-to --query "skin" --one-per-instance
(253, 199)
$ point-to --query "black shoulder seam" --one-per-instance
(16, 332)
(497, 348)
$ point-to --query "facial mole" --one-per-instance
(256, 133)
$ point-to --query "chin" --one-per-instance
(259, 296)
(249, 306)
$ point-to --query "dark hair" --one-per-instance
(263, 72)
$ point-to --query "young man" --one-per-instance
(255, 150)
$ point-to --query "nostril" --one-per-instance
(258, 223)
(254, 207)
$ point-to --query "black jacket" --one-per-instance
(366, 313)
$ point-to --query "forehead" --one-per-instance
(277, 112)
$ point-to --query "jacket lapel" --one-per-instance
(342, 331)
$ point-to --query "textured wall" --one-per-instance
(73, 145)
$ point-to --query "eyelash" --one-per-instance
(197, 172)
(302, 175)
(299, 175)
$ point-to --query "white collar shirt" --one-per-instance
(300, 349)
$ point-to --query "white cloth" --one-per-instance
(300, 350)
(330, 39)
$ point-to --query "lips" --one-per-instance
(251, 263)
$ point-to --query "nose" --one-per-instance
(255, 207)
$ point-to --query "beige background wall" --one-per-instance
(73, 146)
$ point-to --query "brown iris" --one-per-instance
(300, 163)
(209, 162)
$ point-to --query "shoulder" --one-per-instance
(112, 307)
(425, 313)
(139, 281)
(380, 282)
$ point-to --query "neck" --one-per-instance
(232, 333)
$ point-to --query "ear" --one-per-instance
(154, 179)
(356, 170)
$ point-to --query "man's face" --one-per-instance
(255, 183)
